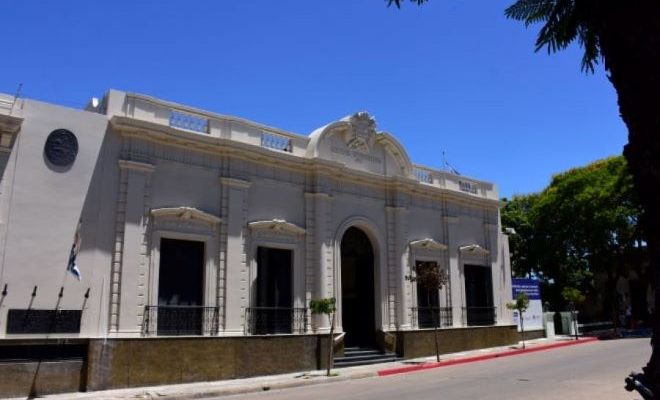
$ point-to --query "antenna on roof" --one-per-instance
(16, 96)
(447, 166)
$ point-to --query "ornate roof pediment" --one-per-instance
(428, 244)
(185, 213)
(355, 142)
(277, 225)
(474, 250)
(363, 135)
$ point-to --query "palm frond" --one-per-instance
(590, 43)
(530, 11)
(397, 3)
(564, 21)
(560, 28)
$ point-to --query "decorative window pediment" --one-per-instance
(428, 244)
(474, 250)
(277, 226)
(186, 214)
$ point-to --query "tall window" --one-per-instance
(428, 301)
(273, 311)
(479, 295)
(180, 287)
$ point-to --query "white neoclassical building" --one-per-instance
(138, 218)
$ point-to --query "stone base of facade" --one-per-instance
(97, 364)
(531, 335)
(21, 379)
(31, 368)
(421, 343)
(123, 363)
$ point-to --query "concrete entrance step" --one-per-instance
(354, 351)
(354, 356)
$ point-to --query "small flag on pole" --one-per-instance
(75, 248)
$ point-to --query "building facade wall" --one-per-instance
(140, 177)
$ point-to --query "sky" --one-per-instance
(452, 76)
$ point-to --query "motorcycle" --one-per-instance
(636, 381)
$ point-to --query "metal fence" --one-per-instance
(180, 320)
(428, 317)
(275, 320)
(479, 316)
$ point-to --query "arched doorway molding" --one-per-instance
(377, 240)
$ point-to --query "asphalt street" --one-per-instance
(589, 371)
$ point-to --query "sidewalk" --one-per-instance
(273, 382)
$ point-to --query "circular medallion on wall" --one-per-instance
(61, 147)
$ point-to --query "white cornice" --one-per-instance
(185, 213)
(10, 124)
(473, 250)
(145, 130)
(237, 183)
(427, 243)
(318, 195)
(278, 225)
(212, 115)
(9, 128)
(136, 166)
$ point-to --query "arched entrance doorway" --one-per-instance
(357, 289)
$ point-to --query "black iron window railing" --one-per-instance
(180, 320)
(275, 320)
(479, 316)
(430, 317)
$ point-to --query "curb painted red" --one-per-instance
(507, 353)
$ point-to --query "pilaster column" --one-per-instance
(504, 255)
(455, 271)
(322, 247)
(137, 174)
(497, 276)
(237, 293)
(399, 265)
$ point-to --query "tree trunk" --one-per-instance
(435, 324)
(629, 34)
(437, 344)
(331, 345)
(522, 326)
(612, 302)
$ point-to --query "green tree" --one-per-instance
(520, 305)
(517, 215)
(431, 278)
(573, 295)
(588, 219)
(625, 35)
(327, 307)
(584, 223)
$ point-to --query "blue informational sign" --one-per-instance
(525, 285)
(533, 317)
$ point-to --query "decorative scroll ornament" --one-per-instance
(277, 225)
(428, 244)
(474, 250)
(364, 132)
(185, 213)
